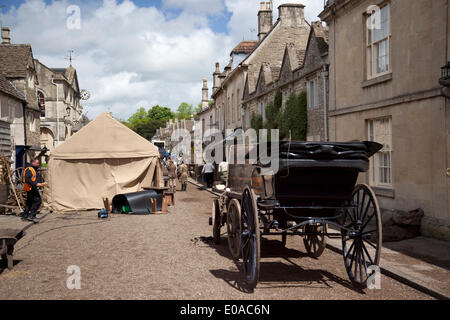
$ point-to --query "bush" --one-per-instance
(295, 117)
(256, 122)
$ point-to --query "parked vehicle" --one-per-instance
(313, 195)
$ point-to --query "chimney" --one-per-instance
(205, 100)
(216, 80)
(6, 38)
(265, 19)
(291, 15)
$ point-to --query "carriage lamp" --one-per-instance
(445, 75)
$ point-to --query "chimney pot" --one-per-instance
(6, 36)
(265, 19)
(291, 15)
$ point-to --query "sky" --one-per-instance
(137, 53)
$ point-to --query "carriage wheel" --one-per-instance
(361, 246)
(217, 221)
(250, 237)
(315, 243)
(234, 229)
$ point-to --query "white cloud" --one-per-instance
(244, 21)
(199, 6)
(130, 57)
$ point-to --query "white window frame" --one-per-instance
(375, 38)
(380, 173)
(313, 93)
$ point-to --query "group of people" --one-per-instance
(209, 169)
(180, 171)
(174, 172)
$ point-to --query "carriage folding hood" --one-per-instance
(103, 159)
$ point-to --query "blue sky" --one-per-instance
(138, 53)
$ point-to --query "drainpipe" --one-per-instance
(325, 102)
(24, 108)
(57, 111)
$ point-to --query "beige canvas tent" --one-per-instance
(103, 159)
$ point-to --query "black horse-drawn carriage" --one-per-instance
(313, 195)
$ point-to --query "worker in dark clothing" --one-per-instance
(32, 180)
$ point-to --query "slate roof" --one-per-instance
(321, 34)
(7, 88)
(14, 59)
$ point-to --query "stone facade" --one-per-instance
(59, 101)
(17, 66)
(300, 65)
(12, 105)
(165, 134)
(229, 85)
(396, 101)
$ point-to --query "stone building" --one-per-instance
(227, 89)
(61, 113)
(164, 135)
(303, 68)
(18, 67)
(249, 57)
(385, 64)
(12, 104)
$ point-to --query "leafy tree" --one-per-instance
(256, 122)
(145, 123)
(185, 111)
(138, 118)
(295, 117)
(160, 113)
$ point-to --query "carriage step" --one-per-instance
(267, 204)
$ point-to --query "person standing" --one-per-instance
(223, 171)
(208, 173)
(172, 168)
(183, 175)
(32, 180)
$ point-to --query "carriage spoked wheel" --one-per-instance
(361, 245)
(234, 229)
(250, 237)
(216, 221)
(315, 240)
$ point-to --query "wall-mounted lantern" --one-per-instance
(445, 75)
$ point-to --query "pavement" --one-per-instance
(170, 256)
(422, 263)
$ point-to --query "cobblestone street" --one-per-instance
(169, 257)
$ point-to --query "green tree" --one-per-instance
(160, 113)
(137, 118)
(295, 117)
(185, 111)
(256, 122)
(145, 123)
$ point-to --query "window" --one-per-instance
(380, 174)
(41, 103)
(233, 109)
(32, 122)
(378, 42)
(247, 118)
(313, 93)
(262, 110)
(228, 111)
(238, 105)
